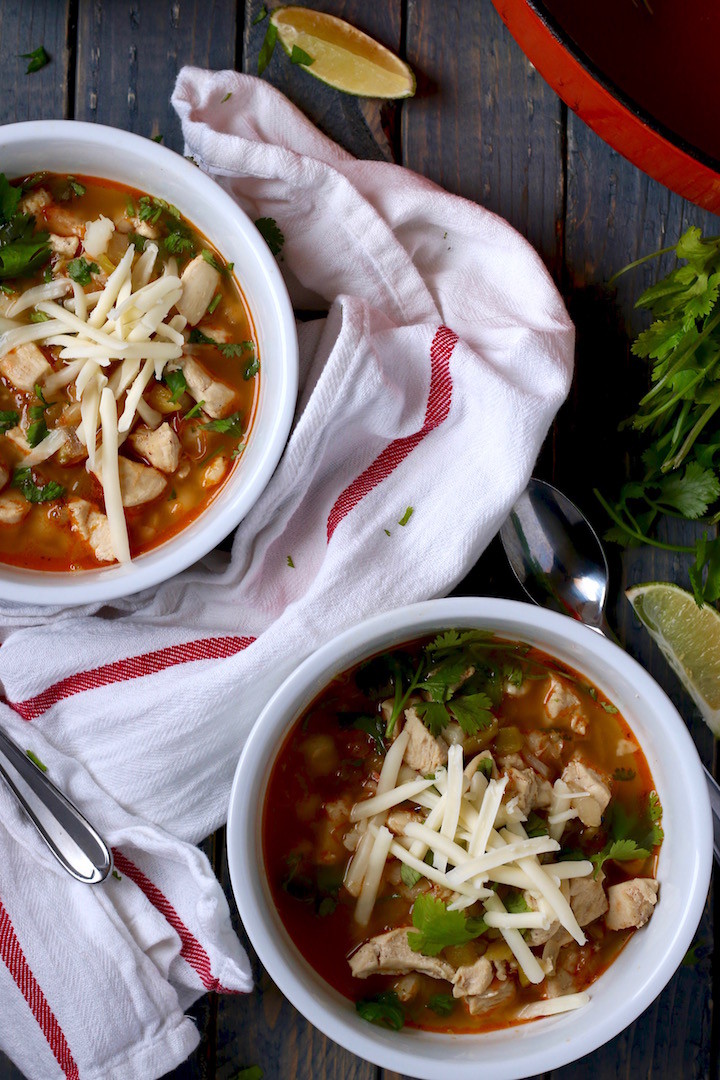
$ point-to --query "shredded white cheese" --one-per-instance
(111, 477)
(553, 1006)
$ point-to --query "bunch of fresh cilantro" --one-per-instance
(22, 250)
(679, 416)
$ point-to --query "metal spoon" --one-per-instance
(558, 559)
(73, 841)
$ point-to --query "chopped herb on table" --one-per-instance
(271, 233)
(36, 761)
(38, 59)
(406, 516)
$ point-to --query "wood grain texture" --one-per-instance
(25, 25)
(129, 54)
(474, 88)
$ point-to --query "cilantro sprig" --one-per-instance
(32, 492)
(678, 419)
(436, 927)
(23, 251)
(630, 837)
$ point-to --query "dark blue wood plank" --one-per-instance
(129, 55)
(25, 25)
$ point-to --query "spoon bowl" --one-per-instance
(558, 558)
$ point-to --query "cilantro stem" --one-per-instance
(687, 445)
(639, 536)
(680, 358)
(639, 262)
(400, 698)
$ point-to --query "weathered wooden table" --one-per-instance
(484, 125)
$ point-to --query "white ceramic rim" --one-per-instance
(643, 968)
(169, 175)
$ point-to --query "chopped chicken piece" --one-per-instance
(64, 245)
(497, 994)
(133, 224)
(138, 483)
(64, 222)
(528, 788)
(4, 475)
(561, 701)
(215, 471)
(13, 508)
(538, 936)
(408, 987)
(160, 447)
(93, 527)
(35, 201)
(338, 811)
(548, 746)
(424, 752)
(553, 946)
(390, 954)
(631, 903)
(217, 397)
(513, 690)
(73, 451)
(17, 436)
(397, 820)
(588, 899)
(24, 366)
(472, 979)
(580, 777)
(199, 282)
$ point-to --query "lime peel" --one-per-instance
(341, 55)
(689, 639)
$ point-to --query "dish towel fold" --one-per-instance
(431, 384)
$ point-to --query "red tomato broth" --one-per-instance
(45, 540)
(294, 820)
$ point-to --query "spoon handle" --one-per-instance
(73, 841)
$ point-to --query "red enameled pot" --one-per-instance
(640, 73)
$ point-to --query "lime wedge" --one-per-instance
(342, 56)
(689, 638)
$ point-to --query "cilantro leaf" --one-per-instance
(472, 712)
(437, 928)
(516, 903)
(409, 876)
(79, 270)
(689, 493)
(534, 826)
(197, 337)
(705, 571)
(232, 349)
(434, 715)
(299, 56)
(442, 1004)
(268, 47)
(485, 767)
(371, 725)
(8, 419)
(624, 774)
(406, 516)
(251, 369)
(229, 425)
(619, 851)
(34, 493)
(383, 1009)
(271, 233)
(37, 431)
(176, 383)
(9, 199)
(177, 242)
(38, 59)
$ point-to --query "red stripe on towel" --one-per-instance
(14, 958)
(192, 951)
(133, 667)
(438, 407)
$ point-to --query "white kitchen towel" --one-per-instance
(430, 384)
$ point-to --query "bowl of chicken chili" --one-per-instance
(148, 363)
(470, 831)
